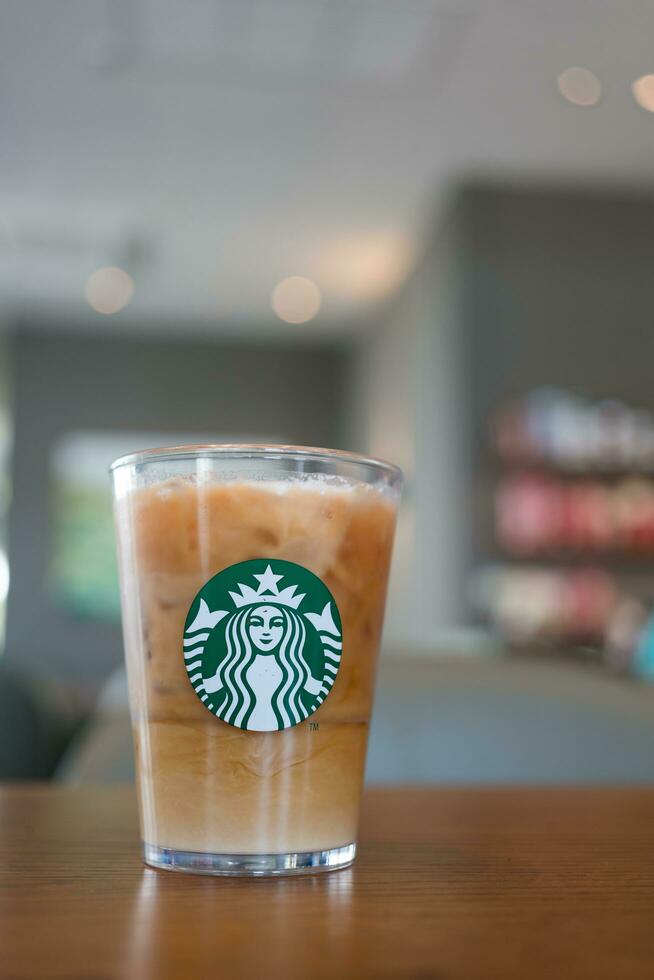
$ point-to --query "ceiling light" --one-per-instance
(109, 290)
(364, 267)
(579, 86)
(296, 299)
(643, 92)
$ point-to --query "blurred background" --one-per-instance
(416, 229)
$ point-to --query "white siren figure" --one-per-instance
(264, 670)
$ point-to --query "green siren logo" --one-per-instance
(262, 644)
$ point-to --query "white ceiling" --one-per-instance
(213, 147)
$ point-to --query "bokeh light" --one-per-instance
(364, 267)
(579, 86)
(109, 289)
(643, 92)
(296, 299)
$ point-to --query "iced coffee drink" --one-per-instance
(253, 584)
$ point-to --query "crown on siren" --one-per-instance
(268, 591)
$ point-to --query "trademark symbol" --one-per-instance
(314, 726)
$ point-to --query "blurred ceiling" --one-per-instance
(214, 147)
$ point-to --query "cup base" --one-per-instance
(249, 865)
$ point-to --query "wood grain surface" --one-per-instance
(450, 883)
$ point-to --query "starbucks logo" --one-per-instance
(262, 644)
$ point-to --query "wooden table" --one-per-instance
(450, 883)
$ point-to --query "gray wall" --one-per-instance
(411, 409)
(67, 382)
(557, 290)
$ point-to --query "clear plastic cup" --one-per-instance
(253, 584)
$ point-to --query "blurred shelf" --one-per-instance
(542, 468)
(612, 561)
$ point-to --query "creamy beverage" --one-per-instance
(252, 616)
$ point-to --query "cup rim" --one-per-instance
(253, 450)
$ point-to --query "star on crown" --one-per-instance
(268, 591)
